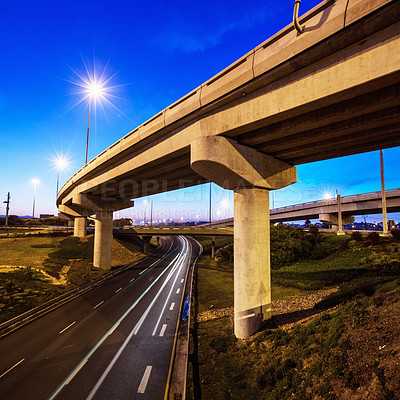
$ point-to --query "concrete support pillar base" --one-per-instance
(103, 240)
(252, 270)
(80, 224)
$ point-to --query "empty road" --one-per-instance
(114, 342)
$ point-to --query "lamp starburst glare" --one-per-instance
(327, 195)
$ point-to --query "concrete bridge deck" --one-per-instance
(331, 91)
(356, 204)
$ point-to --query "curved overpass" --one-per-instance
(331, 91)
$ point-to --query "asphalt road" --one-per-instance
(114, 342)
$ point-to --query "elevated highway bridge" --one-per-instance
(331, 91)
(327, 210)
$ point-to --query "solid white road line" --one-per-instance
(145, 379)
(178, 290)
(164, 327)
(122, 348)
(98, 305)
(19, 362)
(172, 286)
(73, 375)
(143, 317)
(172, 306)
(118, 290)
(69, 326)
(113, 329)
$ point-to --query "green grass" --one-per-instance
(216, 286)
(68, 260)
(278, 365)
(319, 274)
(310, 359)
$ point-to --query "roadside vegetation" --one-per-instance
(35, 269)
(334, 332)
(15, 221)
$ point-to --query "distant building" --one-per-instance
(46, 216)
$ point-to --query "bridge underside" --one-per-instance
(330, 92)
(359, 124)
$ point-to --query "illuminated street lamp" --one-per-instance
(95, 91)
(327, 196)
(225, 205)
(145, 206)
(61, 163)
(35, 182)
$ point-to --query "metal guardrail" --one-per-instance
(28, 316)
(177, 377)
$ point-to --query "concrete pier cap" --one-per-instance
(250, 174)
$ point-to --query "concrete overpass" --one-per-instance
(330, 91)
(327, 210)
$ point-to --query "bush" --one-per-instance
(357, 236)
(289, 244)
(380, 261)
(225, 255)
(374, 237)
(395, 233)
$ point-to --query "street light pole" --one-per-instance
(7, 208)
(340, 220)
(87, 132)
(210, 205)
(35, 182)
(145, 206)
(384, 208)
(151, 212)
(58, 180)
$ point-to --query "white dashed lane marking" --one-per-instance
(145, 379)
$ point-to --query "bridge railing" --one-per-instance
(344, 199)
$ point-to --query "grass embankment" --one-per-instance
(35, 269)
(348, 351)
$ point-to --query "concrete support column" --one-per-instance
(340, 219)
(103, 240)
(213, 248)
(80, 226)
(251, 175)
(252, 269)
(146, 244)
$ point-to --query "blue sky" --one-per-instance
(156, 52)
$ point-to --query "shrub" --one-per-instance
(395, 233)
(226, 255)
(319, 251)
(374, 237)
(357, 236)
(379, 261)
(289, 244)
